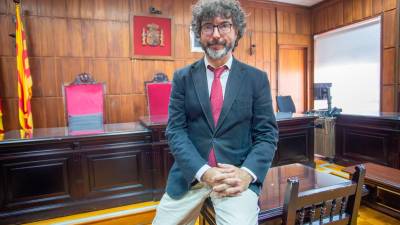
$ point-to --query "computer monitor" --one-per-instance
(322, 91)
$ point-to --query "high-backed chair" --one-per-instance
(334, 205)
(84, 104)
(158, 91)
(285, 104)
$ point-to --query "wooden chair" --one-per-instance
(84, 105)
(333, 205)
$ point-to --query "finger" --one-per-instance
(232, 181)
(220, 187)
(234, 190)
(223, 176)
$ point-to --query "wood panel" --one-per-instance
(68, 37)
(387, 98)
(388, 75)
(292, 75)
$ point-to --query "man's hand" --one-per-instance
(215, 175)
(233, 182)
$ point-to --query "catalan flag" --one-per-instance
(1, 120)
(24, 75)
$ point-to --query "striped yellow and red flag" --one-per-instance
(1, 120)
(24, 76)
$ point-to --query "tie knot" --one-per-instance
(217, 71)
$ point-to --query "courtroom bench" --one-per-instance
(383, 184)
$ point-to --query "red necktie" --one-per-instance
(217, 100)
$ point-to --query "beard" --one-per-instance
(217, 54)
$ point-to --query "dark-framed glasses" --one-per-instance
(223, 28)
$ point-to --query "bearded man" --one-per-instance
(221, 128)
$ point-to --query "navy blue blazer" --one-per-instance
(246, 133)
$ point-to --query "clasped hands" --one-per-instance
(227, 180)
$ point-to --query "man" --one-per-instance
(221, 127)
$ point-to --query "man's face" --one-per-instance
(217, 37)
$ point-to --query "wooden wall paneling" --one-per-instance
(88, 38)
(376, 7)
(8, 77)
(250, 24)
(113, 108)
(39, 116)
(68, 68)
(101, 38)
(52, 8)
(170, 68)
(34, 39)
(37, 87)
(120, 79)
(389, 4)
(347, 11)
(258, 53)
(4, 7)
(74, 35)
(187, 11)
(130, 105)
(10, 113)
(259, 24)
(357, 10)
(366, 8)
(142, 72)
(60, 31)
(178, 9)
(101, 71)
(118, 39)
(73, 8)
(7, 43)
(139, 106)
(54, 111)
(28, 7)
(86, 9)
(389, 28)
(47, 44)
(182, 42)
(388, 67)
(387, 98)
(101, 9)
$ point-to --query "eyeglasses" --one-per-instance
(223, 28)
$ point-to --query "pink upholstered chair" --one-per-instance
(84, 104)
(158, 91)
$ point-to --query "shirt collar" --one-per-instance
(228, 63)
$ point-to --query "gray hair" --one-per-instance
(227, 9)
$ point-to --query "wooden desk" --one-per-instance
(368, 138)
(55, 174)
(273, 192)
(383, 184)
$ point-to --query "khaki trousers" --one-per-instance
(239, 210)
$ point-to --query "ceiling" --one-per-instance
(300, 2)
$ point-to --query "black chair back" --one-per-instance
(285, 104)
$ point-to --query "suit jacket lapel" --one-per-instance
(232, 89)
(201, 87)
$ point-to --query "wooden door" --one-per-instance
(292, 75)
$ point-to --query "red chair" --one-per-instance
(84, 101)
(158, 91)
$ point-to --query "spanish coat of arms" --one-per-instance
(152, 35)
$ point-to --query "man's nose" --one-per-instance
(216, 33)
